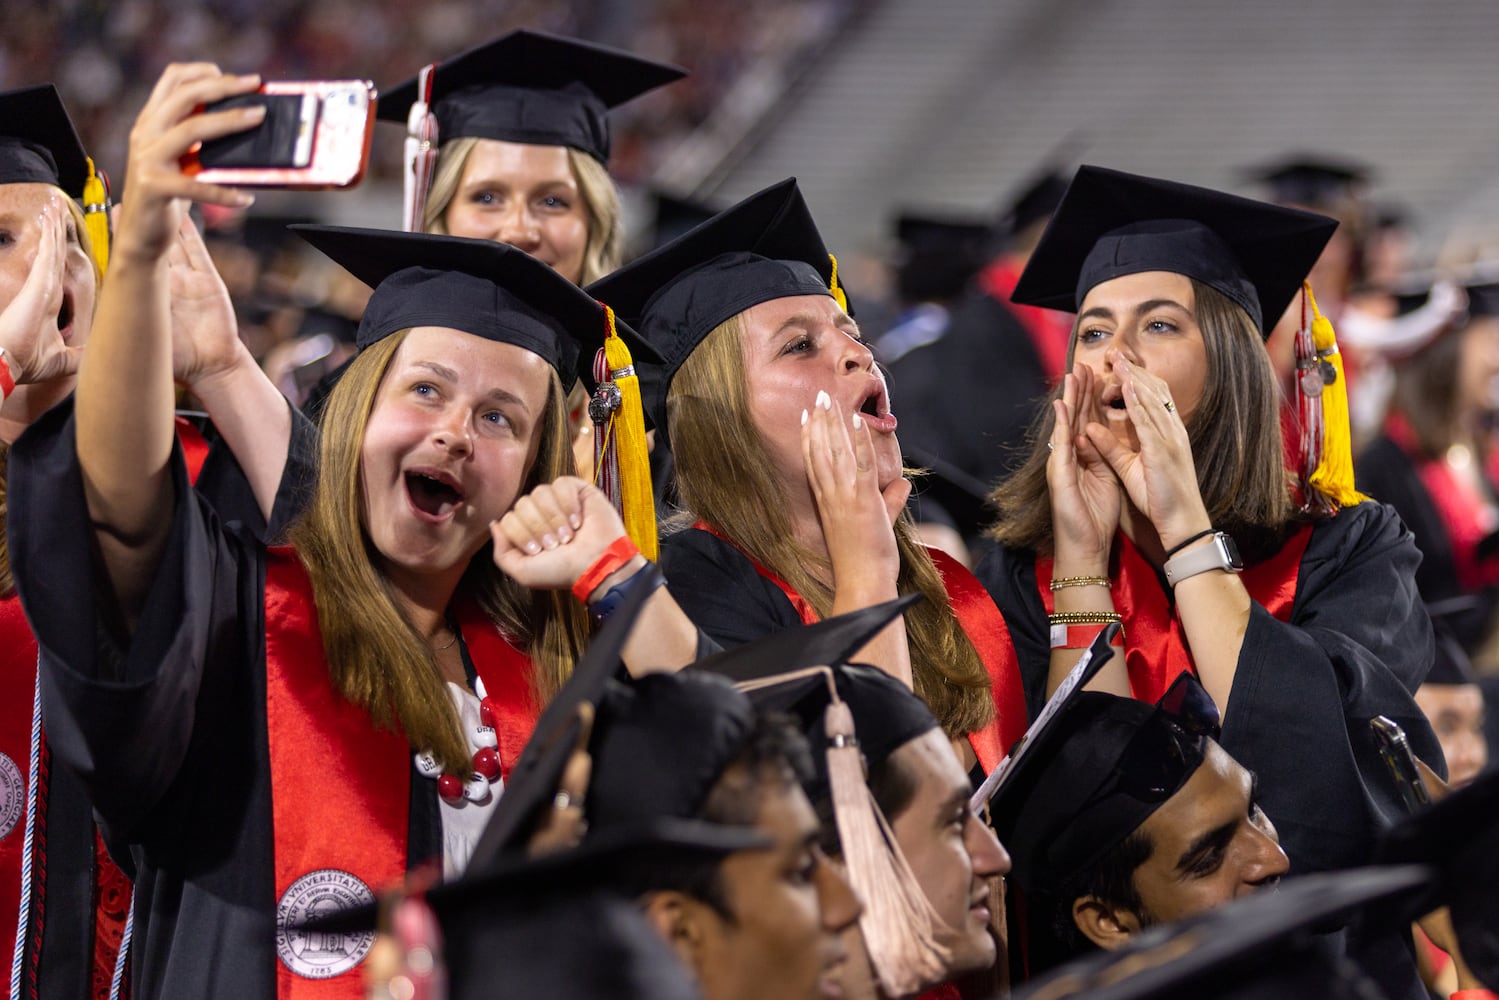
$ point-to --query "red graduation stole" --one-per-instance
(1155, 646)
(340, 786)
(985, 628)
(1466, 514)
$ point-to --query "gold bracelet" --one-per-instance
(1078, 581)
(1084, 618)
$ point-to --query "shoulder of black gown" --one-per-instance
(222, 482)
(718, 587)
(120, 711)
(1357, 644)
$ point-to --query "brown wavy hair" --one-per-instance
(1235, 434)
(376, 658)
(724, 477)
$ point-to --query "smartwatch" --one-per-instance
(1221, 554)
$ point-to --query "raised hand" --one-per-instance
(34, 349)
(1085, 492)
(555, 533)
(1159, 475)
(167, 128)
(205, 333)
(857, 516)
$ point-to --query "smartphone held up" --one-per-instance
(316, 135)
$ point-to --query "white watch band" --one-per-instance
(1221, 554)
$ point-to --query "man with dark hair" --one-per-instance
(757, 923)
(1131, 815)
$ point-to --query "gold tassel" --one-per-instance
(96, 216)
(636, 500)
(839, 295)
(1333, 476)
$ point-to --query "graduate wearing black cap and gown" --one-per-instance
(970, 393)
(763, 249)
(76, 900)
(1434, 463)
(213, 742)
(1335, 631)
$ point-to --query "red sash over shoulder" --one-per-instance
(340, 786)
(340, 790)
(17, 685)
(985, 628)
(1155, 647)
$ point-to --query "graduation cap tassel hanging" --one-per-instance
(420, 152)
(96, 215)
(621, 465)
(1322, 398)
(900, 926)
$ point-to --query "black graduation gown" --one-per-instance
(1358, 644)
(1386, 473)
(966, 401)
(721, 591)
(167, 733)
(62, 966)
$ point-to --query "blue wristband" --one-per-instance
(647, 575)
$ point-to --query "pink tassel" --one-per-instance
(420, 151)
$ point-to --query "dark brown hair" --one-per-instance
(1235, 434)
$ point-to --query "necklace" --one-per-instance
(486, 761)
(447, 645)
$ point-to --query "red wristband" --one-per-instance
(614, 558)
(7, 383)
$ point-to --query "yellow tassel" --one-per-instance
(637, 500)
(96, 216)
(1333, 476)
(838, 293)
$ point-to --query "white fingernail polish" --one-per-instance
(824, 400)
(804, 418)
(858, 422)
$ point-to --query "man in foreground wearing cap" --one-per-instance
(916, 853)
(759, 923)
(1129, 815)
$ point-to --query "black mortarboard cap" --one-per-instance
(766, 247)
(937, 255)
(554, 925)
(1069, 799)
(675, 216)
(1111, 224)
(481, 287)
(660, 744)
(535, 778)
(1311, 181)
(887, 715)
(532, 87)
(1459, 836)
(38, 143)
(1267, 946)
(1035, 202)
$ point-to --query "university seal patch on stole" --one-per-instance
(320, 954)
(12, 796)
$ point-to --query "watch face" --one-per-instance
(1230, 550)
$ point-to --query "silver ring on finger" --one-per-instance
(1170, 406)
(561, 800)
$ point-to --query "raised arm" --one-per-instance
(208, 357)
(125, 395)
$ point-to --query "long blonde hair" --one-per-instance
(606, 231)
(376, 658)
(724, 478)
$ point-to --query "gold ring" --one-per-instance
(1170, 406)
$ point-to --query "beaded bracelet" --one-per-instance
(611, 560)
(1084, 618)
(1078, 581)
